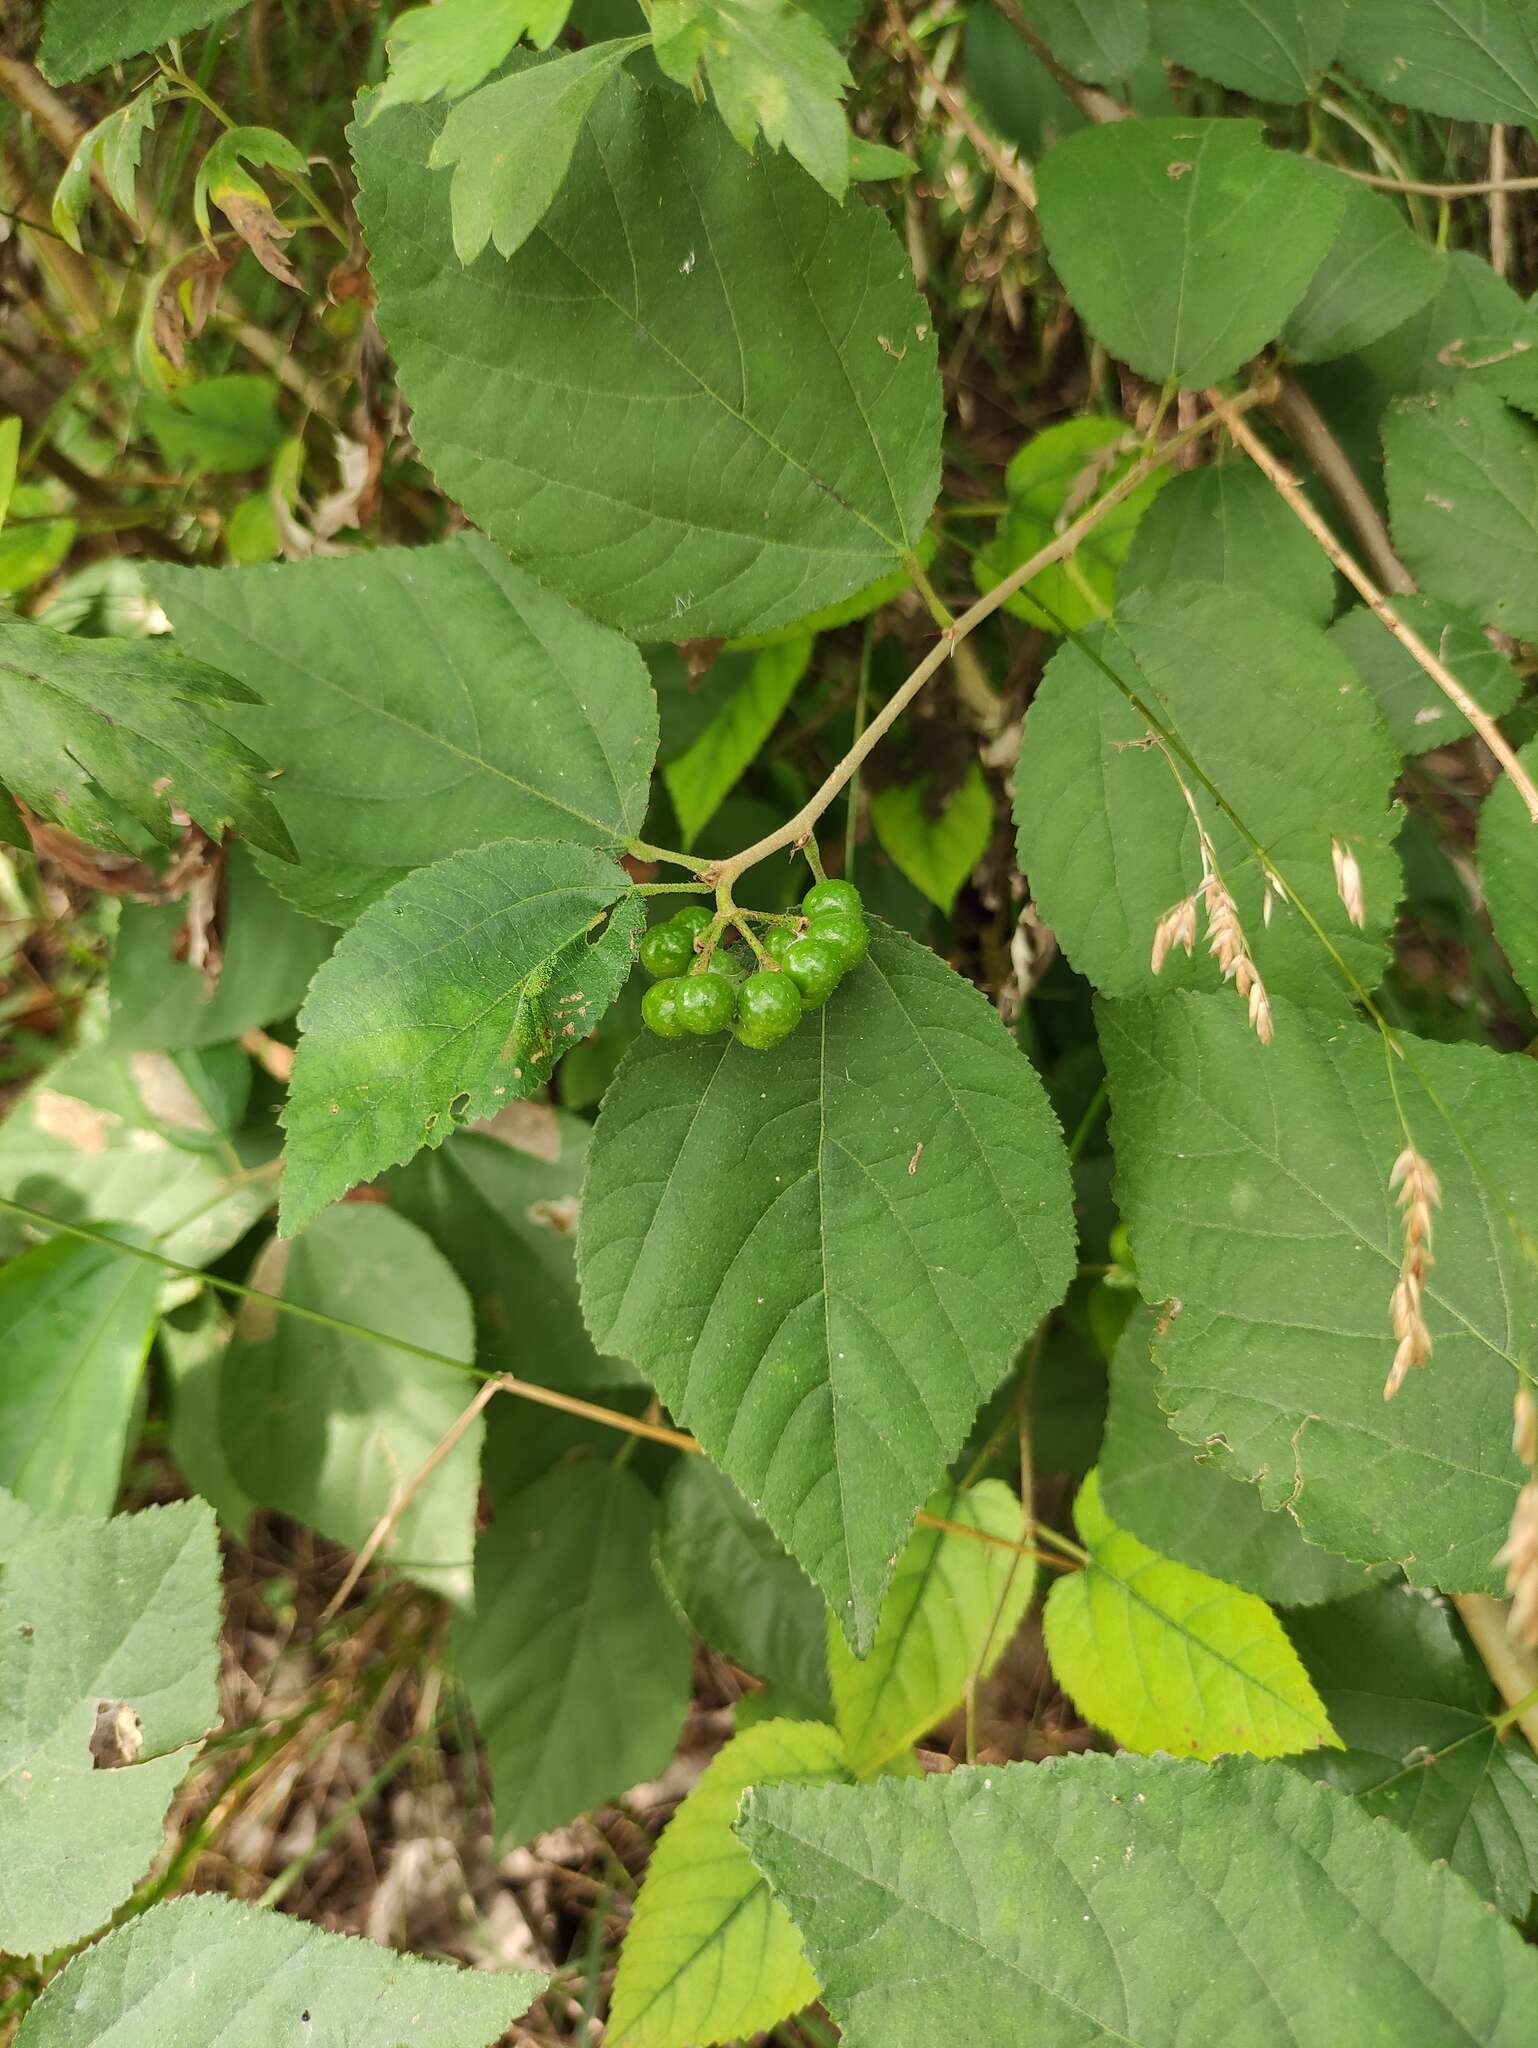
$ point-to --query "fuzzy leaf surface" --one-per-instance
(1270, 49)
(1224, 524)
(1416, 712)
(1475, 60)
(83, 35)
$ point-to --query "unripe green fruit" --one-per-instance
(777, 938)
(659, 1008)
(768, 1009)
(693, 917)
(667, 949)
(847, 934)
(825, 896)
(815, 969)
(705, 1003)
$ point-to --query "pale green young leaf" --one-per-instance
(936, 847)
(207, 1969)
(1094, 1900)
(454, 994)
(576, 1666)
(1462, 472)
(1225, 524)
(1475, 60)
(421, 700)
(1414, 1707)
(1099, 41)
(844, 1312)
(1376, 274)
(449, 48)
(1508, 873)
(108, 737)
(1278, 721)
(32, 550)
(701, 778)
(329, 1426)
(114, 146)
(511, 142)
(772, 68)
(81, 36)
(749, 411)
(120, 1614)
(1270, 49)
(736, 1588)
(217, 427)
(711, 1954)
(949, 1615)
(1167, 1658)
(1415, 711)
(75, 1326)
(1152, 226)
(503, 1211)
(871, 163)
(1049, 481)
(1183, 1505)
(1229, 1152)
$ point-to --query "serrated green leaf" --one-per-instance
(1105, 833)
(1505, 363)
(1429, 350)
(710, 1953)
(701, 778)
(1376, 274)
(108, 737)
(548, 731)
(772, 68)
(115, 145)
(1156, 1485)
(738, 1589)
(832, 1360)
(1152, 227)
(1475, 60)
(1099, 1900)
(75, 1326)
(1166, 1658)
(190, 1345)
(451, 47)
(1227, 525)
(1462, 473)
(500, 193)
(1415, 711)
(504, 1214)
(728, 444)
(949, 1615)
(871, 163)
(1049, 481)
(1508, 873)
(566, 1607)
(217, 427)
(329, 1426)
(1414, 1707)
(1095, 40)
(454, 994)
(81, 36)
(31, 551)
(1270, 49)
(1226, 1151)
(208, 1969)
(937, 849)
(115, 1614)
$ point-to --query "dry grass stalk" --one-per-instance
(1348, 882)
(1519, 1553)
(1225, 933)
(1419, 1193)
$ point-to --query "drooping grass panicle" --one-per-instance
(1348, 882)
(1519, 1553)
(1419, 1193)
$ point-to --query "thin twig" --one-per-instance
(1500, 207)
(1292, 494)
(1477, 188)
(1306, 427)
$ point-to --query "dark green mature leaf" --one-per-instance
(329, 1426)
(1185, 1507)
(935, 845)
(824, 1256)
(1096, 40)
(1152, 227)
(83, 35)
(1106, 835)
(503, 1211)
(1232, 1157)
(1413, 1705)
(740, 412)
(115, 1615)
(75, 1325)
(451, 996)
(422, 700)
(207, 1969)
(1431, 349)
(1226, 525)
(1416, 712)
(1097, 1899)
(1270, 49)
(1376, 274)
(1508, 872)
(451, 47)
(108, 737)
(1462, 473)
(738, 1589)
(701, 777)
(1476, 60)
(500, 193)
(567, 1612)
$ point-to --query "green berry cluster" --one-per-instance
(811, 956)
